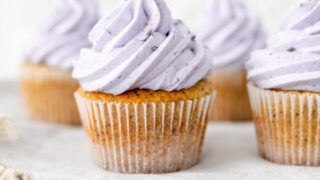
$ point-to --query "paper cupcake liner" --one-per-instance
(232, 103)
(48, 94)
(145, 137)
(287, 125)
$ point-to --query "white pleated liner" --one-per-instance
(232, 103)
(145, 137)
(287, 125)
(44, 100)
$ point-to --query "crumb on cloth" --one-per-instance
(12, 174)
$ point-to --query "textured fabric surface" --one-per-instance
(51, 152)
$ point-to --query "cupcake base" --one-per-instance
(232, 103)
(48, 94)
(287, 125)
(144, 137)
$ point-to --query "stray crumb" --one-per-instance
(135, 92)
(292, 49)
(109, 32)
(193, 38)
(174, 130)
(150, 33)
(15, 174)
(155, 48)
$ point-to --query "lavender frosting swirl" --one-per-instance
(291, 60)
(63, 34)
(231, 31)
(139, 46)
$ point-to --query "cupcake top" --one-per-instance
(63, 33)
(140, 46)
(291, 60)
(231, 31)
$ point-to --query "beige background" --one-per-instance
(18, 18)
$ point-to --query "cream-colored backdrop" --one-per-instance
(18, 18)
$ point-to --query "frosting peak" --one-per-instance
(231, 31)
(302, 16)
(291, 60)
(63, 33)
(139, 46)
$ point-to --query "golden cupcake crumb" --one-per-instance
(203, 88)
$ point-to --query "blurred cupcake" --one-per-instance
(144, 99)
(285, 89)
(231, 31)
(46, 82)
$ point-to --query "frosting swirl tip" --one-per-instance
(63, 33)
(291, 60)
(231, 31)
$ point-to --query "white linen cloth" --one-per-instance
(52, 152)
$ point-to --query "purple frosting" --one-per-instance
(140, 46)
(291, 60)
(231, 31)
(63, 34)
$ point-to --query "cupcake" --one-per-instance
(144, 97)
(46, 82)
(284, 89)
(231, 31)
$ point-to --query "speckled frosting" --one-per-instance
(140, 46)
(63, 33)
(231, 31)
(291, 60)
